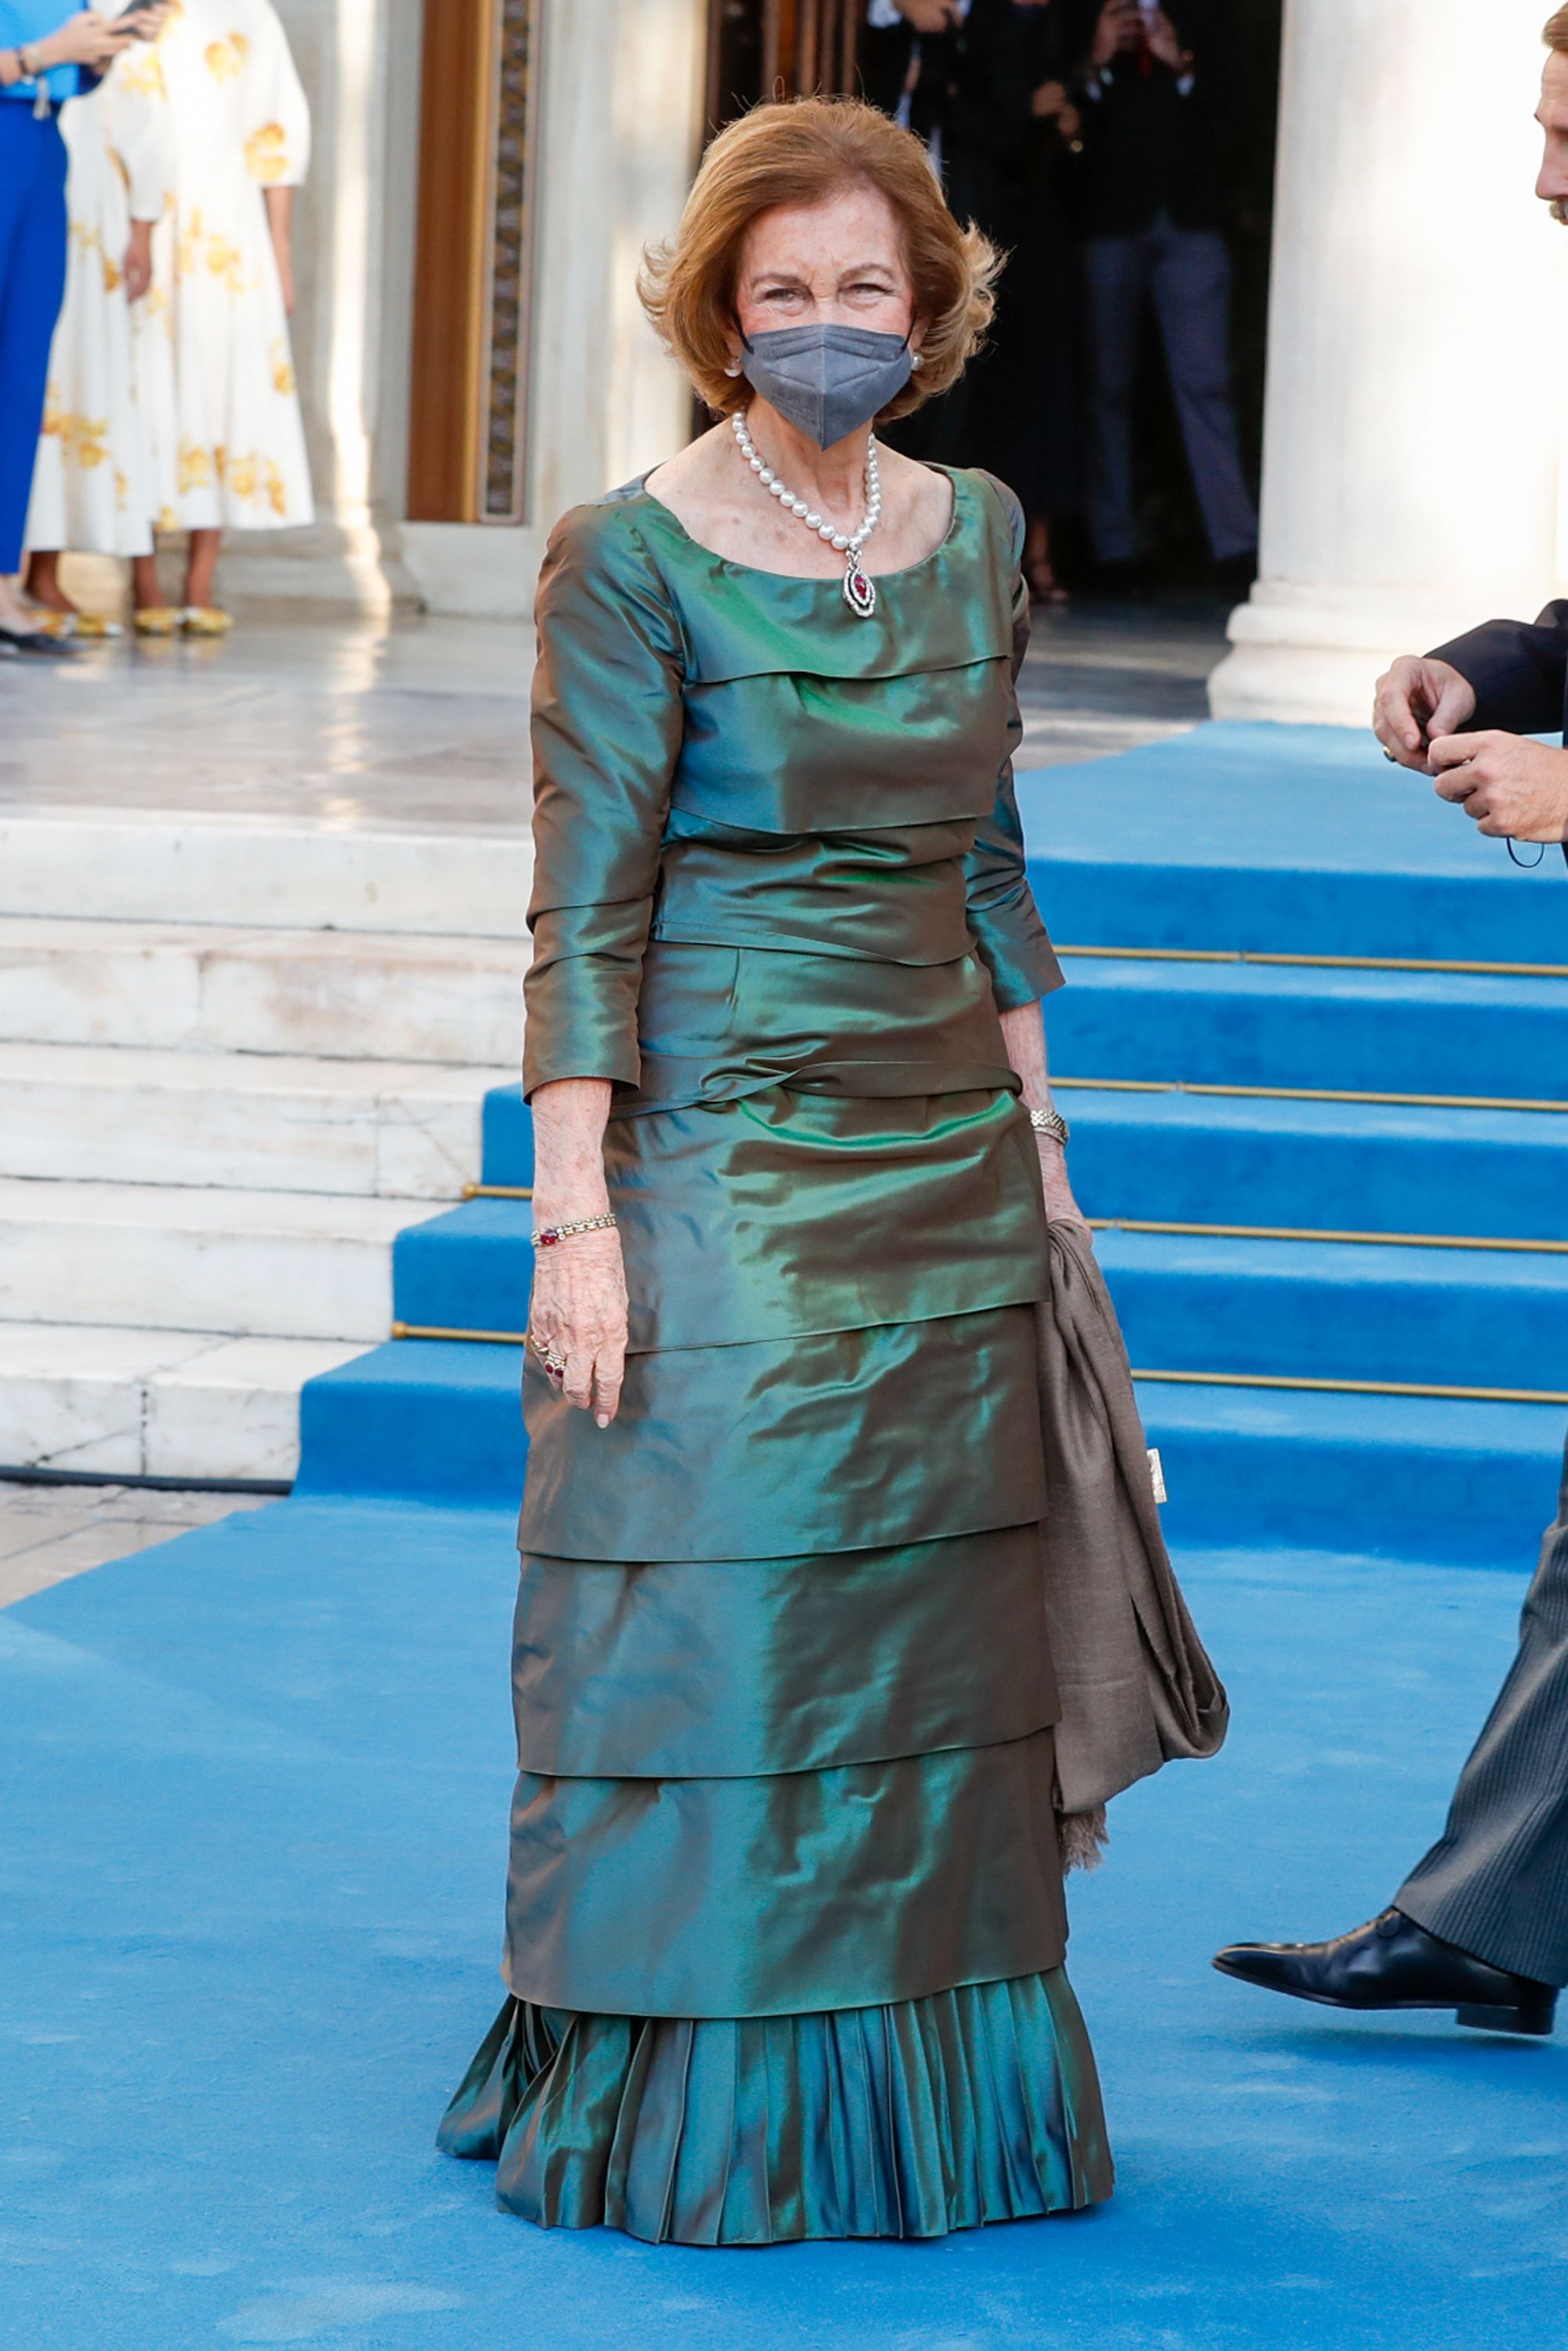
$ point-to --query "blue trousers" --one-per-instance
(31, 287)
(1186, 275)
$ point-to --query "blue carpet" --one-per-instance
(255, 1786)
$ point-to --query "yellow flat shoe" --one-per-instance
(93, 628)
(155, 620)
(205, 621)
(47, 622)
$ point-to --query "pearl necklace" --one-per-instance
(860, 594)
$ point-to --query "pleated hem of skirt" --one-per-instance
(965, 2107)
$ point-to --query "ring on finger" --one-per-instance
(554, 1363)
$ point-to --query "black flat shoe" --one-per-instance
(36, 641)
(1391, 1962)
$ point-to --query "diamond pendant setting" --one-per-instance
(860, 591)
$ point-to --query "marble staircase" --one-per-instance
(239, 1056)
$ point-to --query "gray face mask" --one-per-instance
(826, 380)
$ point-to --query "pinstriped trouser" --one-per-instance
(1496, 1883)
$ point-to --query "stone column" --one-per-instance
(358, 60)
(1417, 398)
(619, 127)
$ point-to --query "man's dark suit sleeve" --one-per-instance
(1519, 669)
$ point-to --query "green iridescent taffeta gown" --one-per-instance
(785, 1923)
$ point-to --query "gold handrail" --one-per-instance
(1320, 962)
(1355, 1388)
(1304, 1093)
(1310, 1233)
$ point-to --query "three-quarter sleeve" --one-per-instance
(276, 124)
(607, 723)
(1004, 921)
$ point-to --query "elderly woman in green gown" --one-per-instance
(785, 1926)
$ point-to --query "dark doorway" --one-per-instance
(759, 48)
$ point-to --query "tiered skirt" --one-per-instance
(785, 1925)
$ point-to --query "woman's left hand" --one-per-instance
(137, 268)
(1059, 1205)
(1165, 41)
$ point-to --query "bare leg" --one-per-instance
(1038, 569)
(146, 588)
(202, 566)
(44, 580)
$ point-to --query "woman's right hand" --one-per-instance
(1120, 28)
(89, 39)
(578, 1315)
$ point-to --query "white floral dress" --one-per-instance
(92, 485)
(214, 371)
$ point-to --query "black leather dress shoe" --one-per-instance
(1391, 1962)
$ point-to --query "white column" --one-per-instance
(1417, 398)
(358, 60)
(619, 128)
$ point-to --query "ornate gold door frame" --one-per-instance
(468, 390)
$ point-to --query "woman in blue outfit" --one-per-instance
(43, 62)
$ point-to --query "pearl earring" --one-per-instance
(734, 368)
(916, 360)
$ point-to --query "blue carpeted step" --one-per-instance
(1450, 1318)
(1202, 1159)
(1188, 1303)
(469, 1269)
(1432, 1479)
(1256, 1024)
(1217, 1160)
(1406, 1477)
(426, 1419)
(1289, 840)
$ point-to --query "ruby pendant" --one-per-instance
(859, 593)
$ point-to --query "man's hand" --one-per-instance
(930, 16)
(1515, 789)
(1416, 700)
(1165, 41)
(1120, 28)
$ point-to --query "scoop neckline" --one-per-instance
(810, 579)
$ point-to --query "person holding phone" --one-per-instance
(43, 62)
(1161, 112)
(91, 490)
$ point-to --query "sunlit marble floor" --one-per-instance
(48, 1532)
(422, 722)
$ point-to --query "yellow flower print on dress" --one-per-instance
(195, 465)
(282, 368)
(226, 262)
(226, 59)
(140, 72)
(267, 154)
(276, 495)
(242, 476)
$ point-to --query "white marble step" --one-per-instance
(404, 1131)
(155, 1403)
(126, 865)
(285, 1265)
(365, 996)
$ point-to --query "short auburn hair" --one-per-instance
(802, 151)
(1556, 34)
